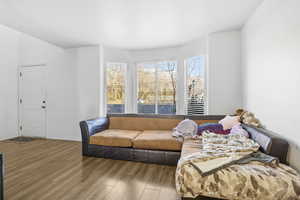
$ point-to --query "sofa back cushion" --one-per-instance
(154, 122)
(143, 123)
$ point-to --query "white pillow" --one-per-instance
(229, 121)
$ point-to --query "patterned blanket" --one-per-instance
(219, 151)
(254, 180)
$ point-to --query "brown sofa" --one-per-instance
(146, 138)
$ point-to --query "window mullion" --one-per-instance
(134, 87)
(185, 96)
(126, 88)
(156, 89)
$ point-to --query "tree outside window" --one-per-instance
(115, 87)
(157, 87)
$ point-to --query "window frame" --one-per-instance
(131, 84)
(206, 84)
(125, 71)
(136, 85)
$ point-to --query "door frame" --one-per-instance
(20, 69)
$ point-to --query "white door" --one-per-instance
(32, 101)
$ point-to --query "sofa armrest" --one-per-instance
(91, 127)
(270, 143)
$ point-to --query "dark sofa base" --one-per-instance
(131, 154)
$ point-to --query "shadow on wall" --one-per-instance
(294, 155)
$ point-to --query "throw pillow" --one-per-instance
(230, 121)
(212, 127)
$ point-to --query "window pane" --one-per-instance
(195, 67)
(115, 76)
(146, 88)
(166, 80)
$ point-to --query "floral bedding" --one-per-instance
(254, 180)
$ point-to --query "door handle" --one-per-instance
(43, 107)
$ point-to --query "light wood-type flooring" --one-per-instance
(55, 170)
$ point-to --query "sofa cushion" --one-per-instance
(114, 137)
(143, 123)
(157, 139)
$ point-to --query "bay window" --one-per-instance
(157, 87)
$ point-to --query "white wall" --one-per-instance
(61, 85)
(223, 51)
(178, 53)
(115, 55)
(88, 81)
(9, 41)
(75, 82)
(18, 49)
(224, 72)
(271, 73)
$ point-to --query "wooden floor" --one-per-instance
(55, 170)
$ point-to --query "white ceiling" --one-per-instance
(124, 23)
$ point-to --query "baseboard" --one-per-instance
(2, 139)
(64, 138)
(50, 138)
